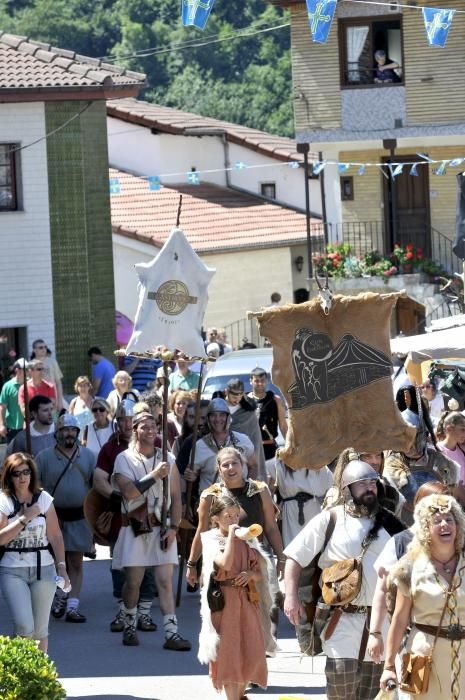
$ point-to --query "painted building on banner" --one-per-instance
(346, 111)
(55, 229)
(245, 217)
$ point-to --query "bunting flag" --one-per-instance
(396, 170)
(320, 17)
(318, 167)
(193, 178)
(115, 185)
(413, 170)
(195, 13)
(441, 169)
(172, 299)
(343, 167)
(361, 170)
(437, 25)
(154, 183)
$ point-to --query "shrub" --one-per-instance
(26, 673)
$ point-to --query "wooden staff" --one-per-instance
(27, 415)
(186, 526)
(164, 449)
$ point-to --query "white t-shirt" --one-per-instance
(345, 543)
(97, 438)
(33, 535)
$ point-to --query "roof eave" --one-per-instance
(68, 92)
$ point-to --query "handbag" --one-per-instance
(139, 520)
(416, 668)
(342, 581)
(215, 595)
(414, 676)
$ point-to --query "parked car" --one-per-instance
(237, 365)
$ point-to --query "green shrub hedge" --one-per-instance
(26, 673)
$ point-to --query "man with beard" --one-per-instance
(119, 442)
(42, 430)
(359, 521)
(66, 472)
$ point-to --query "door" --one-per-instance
(410, 316)
(406, 207)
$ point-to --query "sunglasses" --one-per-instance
(24, 472)
(100, 409)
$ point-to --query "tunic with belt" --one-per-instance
(145, 549)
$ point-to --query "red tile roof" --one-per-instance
(213, 218)
(174, 121)
(32, 65)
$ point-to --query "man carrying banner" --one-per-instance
(360, 525)
(138, 475)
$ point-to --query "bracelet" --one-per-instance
(191, 564)
(22, 520)
(376, 634)
(61, 563)
(389, 667)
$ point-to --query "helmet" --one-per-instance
(125, 409)
(218, 406)
(66, 420)
(357, 471)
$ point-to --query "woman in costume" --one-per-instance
(256, 506)
(430, 582)
(234, 641)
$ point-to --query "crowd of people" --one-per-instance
(385, 530)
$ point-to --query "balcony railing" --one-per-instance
(367, 236)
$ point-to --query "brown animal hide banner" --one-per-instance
(335, 373)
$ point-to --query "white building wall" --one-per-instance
(136, 149)
(25, 261)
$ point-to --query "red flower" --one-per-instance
(419, 255)
(409, 255)
(409, 246)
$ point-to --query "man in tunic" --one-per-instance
(142, 542)
(66, 472)
(41, 428)
(220, 435)
(350, 673)
(271, 413)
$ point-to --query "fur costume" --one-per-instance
(209, 638)
(219, 489)
(398, 468)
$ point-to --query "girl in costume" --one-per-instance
(235, 640)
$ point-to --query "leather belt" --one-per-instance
(301, 497)
(353, 609)
(229, 582)
(453, 632)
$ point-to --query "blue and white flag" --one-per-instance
(195, 13)
(320, 17)
(437, 25)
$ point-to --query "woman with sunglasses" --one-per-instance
(97, 433)
(28, 525)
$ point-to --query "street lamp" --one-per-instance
(304, 149)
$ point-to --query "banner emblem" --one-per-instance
(172, 297)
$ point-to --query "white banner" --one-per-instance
(173, 296)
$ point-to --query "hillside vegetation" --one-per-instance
(246, 80)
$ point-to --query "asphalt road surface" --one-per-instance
(92, 662)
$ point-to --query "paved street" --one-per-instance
(92, 662)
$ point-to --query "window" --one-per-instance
(268, 189)
(8, 174)
(347, 188)
(359, 40)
